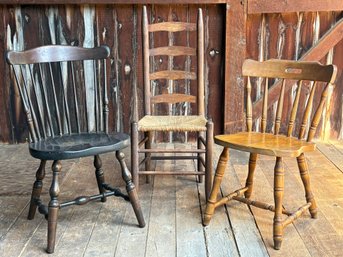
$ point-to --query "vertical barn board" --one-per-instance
(234, 56)
(337, 97)
(215, 64)
(5, 120)
(127, 45)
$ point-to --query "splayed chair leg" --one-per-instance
(210, 206)
(278, 199)
(130, 188)
(305, 177)
(250, 179)
(100, 178)
(37, 189)
(53, 206)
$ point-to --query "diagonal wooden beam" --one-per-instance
(331, 38)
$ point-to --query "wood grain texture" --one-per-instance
(267, 144)
(106, 24)
(264, 6)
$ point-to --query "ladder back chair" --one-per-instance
(64, 96)
(294, 141)
(162, 105)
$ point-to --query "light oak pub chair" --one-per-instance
(64, 94)
(280, 142)
(167, 90)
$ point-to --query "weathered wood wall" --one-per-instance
(118, 26)
(291, 36)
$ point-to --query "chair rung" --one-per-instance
(230, 196)
(145, 139)
(171, 150)
(189, 157)
(202, 140)
(157, 172)
(260, 205)
(296, 214)
(86, 199)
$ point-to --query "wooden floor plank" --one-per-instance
(161, 239)
(173, 212)
(332, 153)
(190, 240)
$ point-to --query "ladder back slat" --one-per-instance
(173, 98)
(171, 26)
(172, 51)
(172, 75)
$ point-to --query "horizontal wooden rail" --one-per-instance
(172, 98)
(173, 75)
(278, 6)
(52, 2)
(173, 51)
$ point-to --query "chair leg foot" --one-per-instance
(131, 190)
(53, 206)
(277, 243)
(37, 189)
(210, 206)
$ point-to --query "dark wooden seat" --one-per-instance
(174, 100)
(78, 145)
(311, 82)
(64, 95)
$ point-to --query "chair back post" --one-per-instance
(200, 62)
(146, 63)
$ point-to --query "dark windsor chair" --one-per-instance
(305, 75)
(64, 95)
(165, 92)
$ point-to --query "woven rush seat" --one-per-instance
(172, 123)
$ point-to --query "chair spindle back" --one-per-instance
(63, 89)
(295, 72)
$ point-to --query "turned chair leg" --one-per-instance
(37, 189)
(134, 154)
(210, 206)
(305, 177)
(250, 179)
(208, 159)
(53, 206)
(130, 188)
(99, 173)
(148, 155)
(200, 155)
(278, 199)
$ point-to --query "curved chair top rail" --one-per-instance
(57, 53)
(296, 70)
